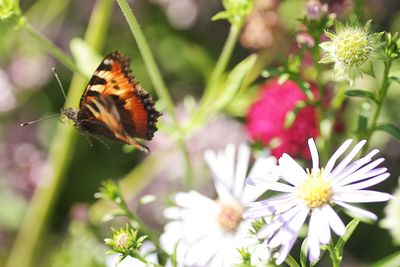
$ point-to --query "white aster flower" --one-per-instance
(314, 193)
(207, 232)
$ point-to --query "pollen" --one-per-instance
(316, 190)
(230, 217)
(352, 47)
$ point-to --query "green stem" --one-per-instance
(325, 126)
(61, 150)
(158, 83)
(333, 255)
(215, 77)
(139, 224)
(221, 64)
(380, 98)
(52, 49)
(291, 261)
(358, 10)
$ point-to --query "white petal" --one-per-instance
(324, 232)
(202, 251)
(361, 196)
(295, 224)
(356, 176)
(192, 199)
(212, 161)
(263, 168)
(172, 213)
(242, 164)
(334, 220)
(252, 193)
(291, 171)
(273, 201)
(364, 184)
(361, 213)
(285, 249)
(228, 164)
(331, 162)
(269, 229)
(276, 186)
(314, 155)
(224, 194)
(266, 168)
(350, 169)
(289, 234)
(349, 157)
(129, 262)
(263, 211)
(313, 239)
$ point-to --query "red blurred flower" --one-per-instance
(266, 118)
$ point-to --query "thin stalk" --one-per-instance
(333, 255)
(140, 224)
(358, 9)
(221, 64)
(324, 147)
(52, 49)
(215, 77)
(380, 98)
(41, 206)
(158, 83)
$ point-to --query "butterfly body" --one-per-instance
(114, 105)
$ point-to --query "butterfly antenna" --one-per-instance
(59, 83)
(41, 119)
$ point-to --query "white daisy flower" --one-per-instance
(314, 193)
(207, 232)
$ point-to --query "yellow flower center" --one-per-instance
(230, 217)
(315, 190)
(352, 47)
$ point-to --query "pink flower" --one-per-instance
(266, 119)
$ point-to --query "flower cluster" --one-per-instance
(266, 119)
(206, 232)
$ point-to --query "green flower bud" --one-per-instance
(125, 241)
(352, 49)
(10, 11)
(235, 11)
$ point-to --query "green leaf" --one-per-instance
(343, 239)
(361, 93)
(364, 114)
(147, 199)
(395, 78)
(291, 262)
(390, 129)
(86, 58)
(220, 15)
(389, 261)
(303, 253)
(233, 83)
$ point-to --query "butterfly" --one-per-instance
(114, 105)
